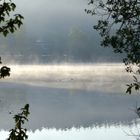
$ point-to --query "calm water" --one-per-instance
(70, 101)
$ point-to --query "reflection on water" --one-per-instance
(66, 96)
(103, 133)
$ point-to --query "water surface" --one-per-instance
(68, 99)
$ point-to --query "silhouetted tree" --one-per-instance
(9, 23)
(18, 132)
(119, 27)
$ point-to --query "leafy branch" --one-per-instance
(9, 22)
(19, 133)
(119, 27)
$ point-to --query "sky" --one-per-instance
(55, 32)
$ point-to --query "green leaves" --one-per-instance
(19, 133)
(13, 6)
(119, 27)
(135, 86)
(9, 22)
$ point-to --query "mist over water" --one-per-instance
(62, 33)
(69, 95)
(75, 76)
(75, 88)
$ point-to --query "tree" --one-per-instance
(9, 23)
(119, 27)
(19, 133)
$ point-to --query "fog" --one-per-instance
(74, 76)
(66, 96)
(55, 32)
(60, 69)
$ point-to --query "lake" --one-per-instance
(70, 101)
